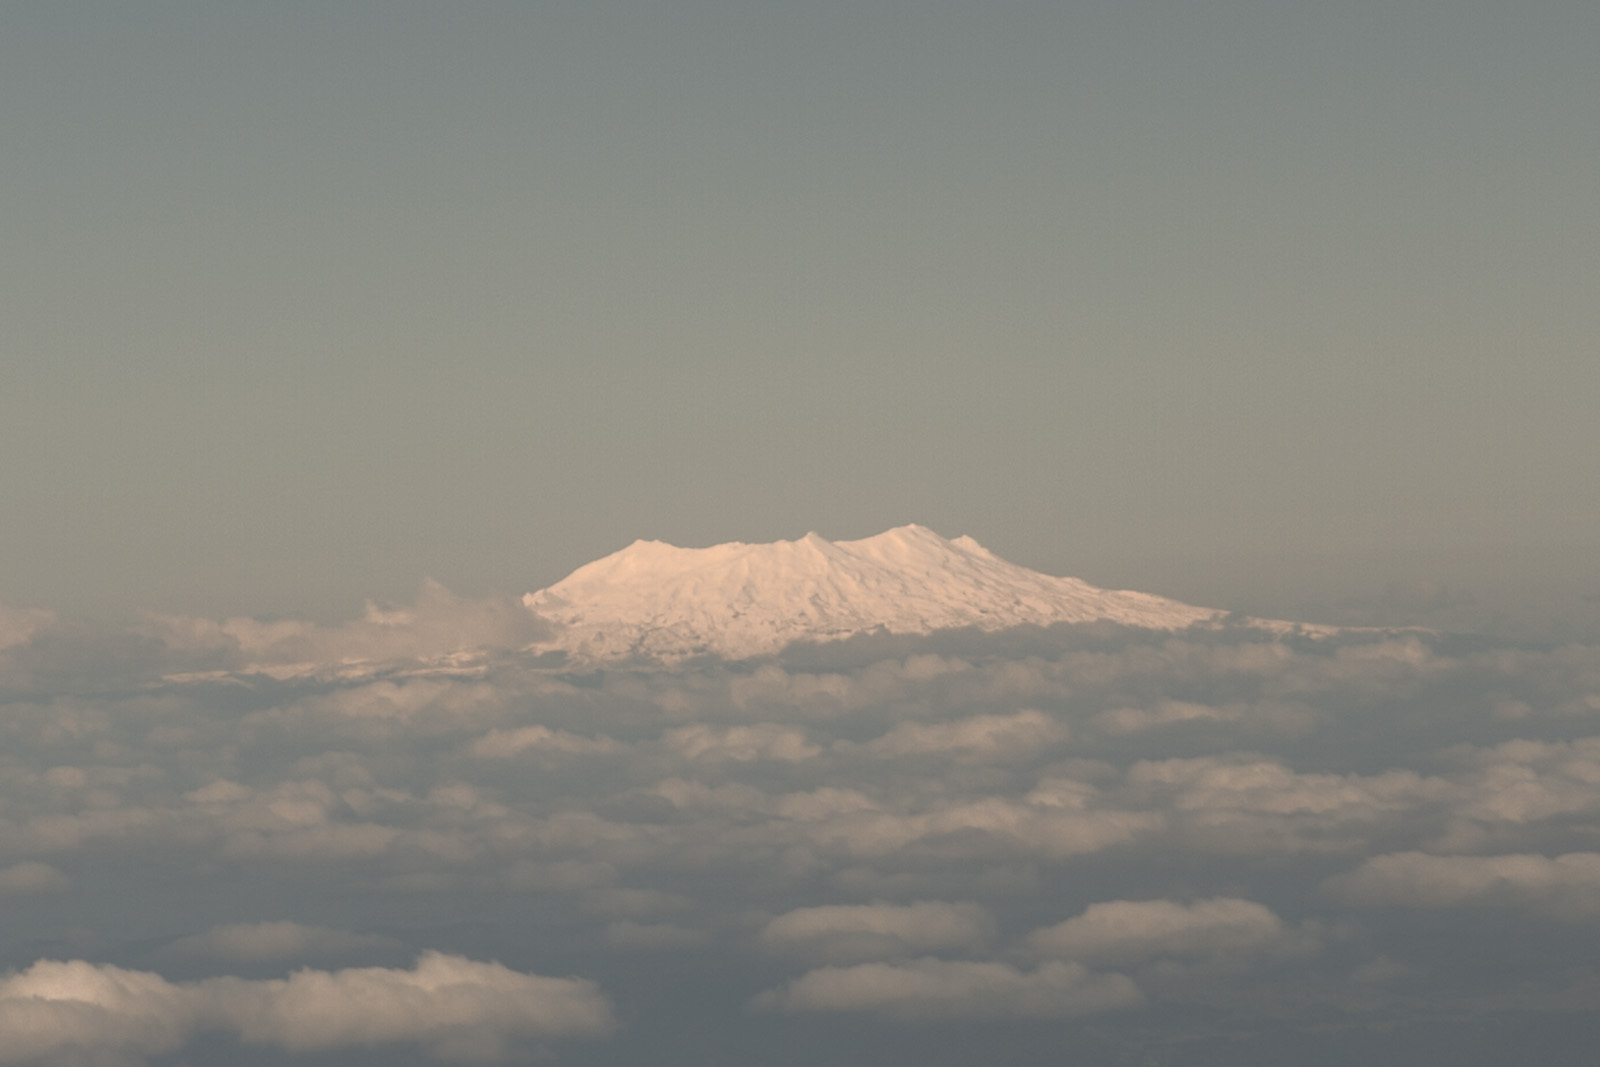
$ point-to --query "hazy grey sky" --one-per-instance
(306, 302)
(1288, 308)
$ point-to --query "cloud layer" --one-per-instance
(295, 839)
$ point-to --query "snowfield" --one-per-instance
(738, 601)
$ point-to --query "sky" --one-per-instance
(330, 330)
(1256, 304)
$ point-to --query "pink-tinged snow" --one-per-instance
(661, 602)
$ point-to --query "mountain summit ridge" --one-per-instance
(657, 601)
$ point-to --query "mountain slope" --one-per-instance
(657, 601)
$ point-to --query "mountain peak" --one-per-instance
(656, 601)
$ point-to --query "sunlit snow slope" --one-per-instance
(657, 601)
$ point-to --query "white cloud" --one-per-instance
(32, 878)
(454, 1007)
(439, 626)
(1253, 805)
(426, 701)
(991, 823)
(505, 743)
(1566, 887)
(292, 820)
(978, 735)
(825, 803)
(1122, 932)
(55, 1009)
(742, 744)
(18, 625)
(939, 989)
(764, 808)
(855, 932)
(1514, 793)
(1139, 720)
(1270, 716)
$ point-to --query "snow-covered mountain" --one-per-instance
(656, 601)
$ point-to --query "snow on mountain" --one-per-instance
(656, 601)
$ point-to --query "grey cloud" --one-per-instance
(1565, 887)
(979, 736)
(1266, 717)
(30, 878)
(627, 934)
(636, 903)
(1032, 809)
(19, 625)
(276, 940)
(762, 741)
(852, 933)
(459, 1008)
(1036, 826)
(1123, 932)
(540, 738)
(440, 628)
(1528, 792)
(931, 989)
(1240, 804)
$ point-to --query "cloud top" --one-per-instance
(454, 1007)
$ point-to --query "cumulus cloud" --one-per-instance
(1268, 717)
(845, 933)
(30, 878)
(438, 626)
(18, 625)
(978, 735)
(1242, 804)
(973, 829)
(940, 989)
(60, 1009)
(454, 1007)
(762, 741)
(301, 820)
(975, 826)
(1123, 932)
(1519, 792)
(540, 738)
(1565, 887)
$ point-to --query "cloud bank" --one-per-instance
(286, 841)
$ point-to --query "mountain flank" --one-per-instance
(656, 601)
